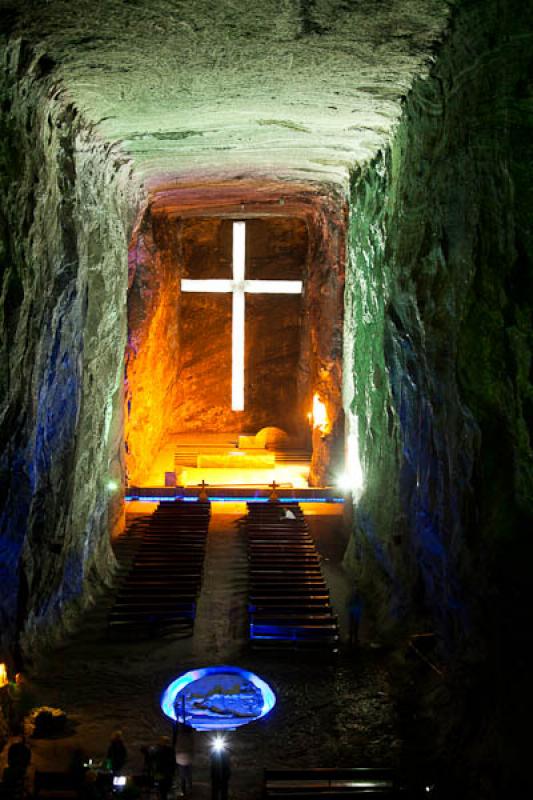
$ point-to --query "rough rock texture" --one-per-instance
(298, 87)
(438, 306)
(192, 333)
(178, 368)
(440, 337)
(66, 208)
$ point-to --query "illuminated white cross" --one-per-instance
(238, 286)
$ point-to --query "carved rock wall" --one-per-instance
(179, 346)
(67, 204)
(439, 333)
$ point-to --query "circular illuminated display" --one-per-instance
(216, 698)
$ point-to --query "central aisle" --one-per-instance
(221, 616)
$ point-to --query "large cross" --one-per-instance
(238, 285)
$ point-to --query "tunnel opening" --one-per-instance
(234, 332)
(440, 341)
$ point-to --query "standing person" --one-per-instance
(18, 760)
(164, 766)
(220, 770)
(19, 755)
(116, 753)
(355, 610)
(184, 750)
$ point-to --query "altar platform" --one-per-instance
(227, 460)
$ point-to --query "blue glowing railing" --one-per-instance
(228, 499)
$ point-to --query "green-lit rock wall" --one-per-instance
(439, 337)
(66, 207)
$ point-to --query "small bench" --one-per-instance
(287, 602)
(327, 784)
(152, 584)
(289, 560)
(326, 631)
(190, 562)
(282, 548)
(152, 614)
(144, 591)
(154, 547)
(283, 612)
(292, 591)
(287, 530)
(147, 569)
(149, 606)
(172, 535)
(309, 571)
(285, 586)
(281, 588)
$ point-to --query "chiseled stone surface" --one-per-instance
(160, 372)
(299, 87)
(438, 329)
(67, 206)
(440, 338)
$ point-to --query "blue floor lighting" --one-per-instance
(218, 698)
(147, 498)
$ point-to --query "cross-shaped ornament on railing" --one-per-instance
(238, 286)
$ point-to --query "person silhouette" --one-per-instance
(220, 768)
(116, 753)
(184, 751)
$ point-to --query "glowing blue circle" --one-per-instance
(235, 707)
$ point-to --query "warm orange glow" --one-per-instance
(287, 474)
(319, 415)
(3, 675)
(152, 390)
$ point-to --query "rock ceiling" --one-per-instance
(286, 88)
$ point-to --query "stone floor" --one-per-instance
(327, 713)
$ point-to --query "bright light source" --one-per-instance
(237, 352)
(218, 744)
(3, 675)
(238, 286)
(112, 486)
(239, 250)
(353, 469)
(319, 415)
(351, 480)
(119, 780)
(344, 481)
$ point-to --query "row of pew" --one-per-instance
(329, 784)
(159, 593)
(288, 600)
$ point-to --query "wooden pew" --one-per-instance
(159, 593)
(285, 573)
(329, 784)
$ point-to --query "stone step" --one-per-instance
(188, 457)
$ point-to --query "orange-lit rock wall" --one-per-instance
(326, 303)
(276, 248)
(178, 371)
(153, 344)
